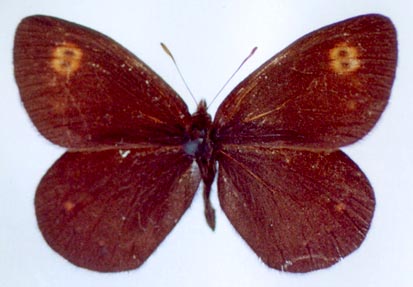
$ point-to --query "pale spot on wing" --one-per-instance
(286, 264)
(66, 59)
(59, 107)
(340, 207)
(124, 153)
(344, 59)
(313, 257)
(68, 205)
(351, 105)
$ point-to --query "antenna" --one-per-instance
(168, 52)
(233, 74)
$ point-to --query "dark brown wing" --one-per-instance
(83, 90)
(325, 90)
(298, 210)
(109, 210)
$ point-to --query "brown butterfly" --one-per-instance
(136, 156)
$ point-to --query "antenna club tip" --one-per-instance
(167, 51)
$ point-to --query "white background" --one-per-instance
(209, 40)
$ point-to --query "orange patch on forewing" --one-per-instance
(344, 59)
(66, 58)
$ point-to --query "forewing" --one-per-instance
(298, 210)
(109, 210)
(325, 90)
(82, 89)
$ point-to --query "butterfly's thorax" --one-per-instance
(199, 145)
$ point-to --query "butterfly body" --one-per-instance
(136, 156)
(201, 145)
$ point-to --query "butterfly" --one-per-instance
(136, 156)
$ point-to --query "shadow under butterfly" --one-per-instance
(136, 156)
